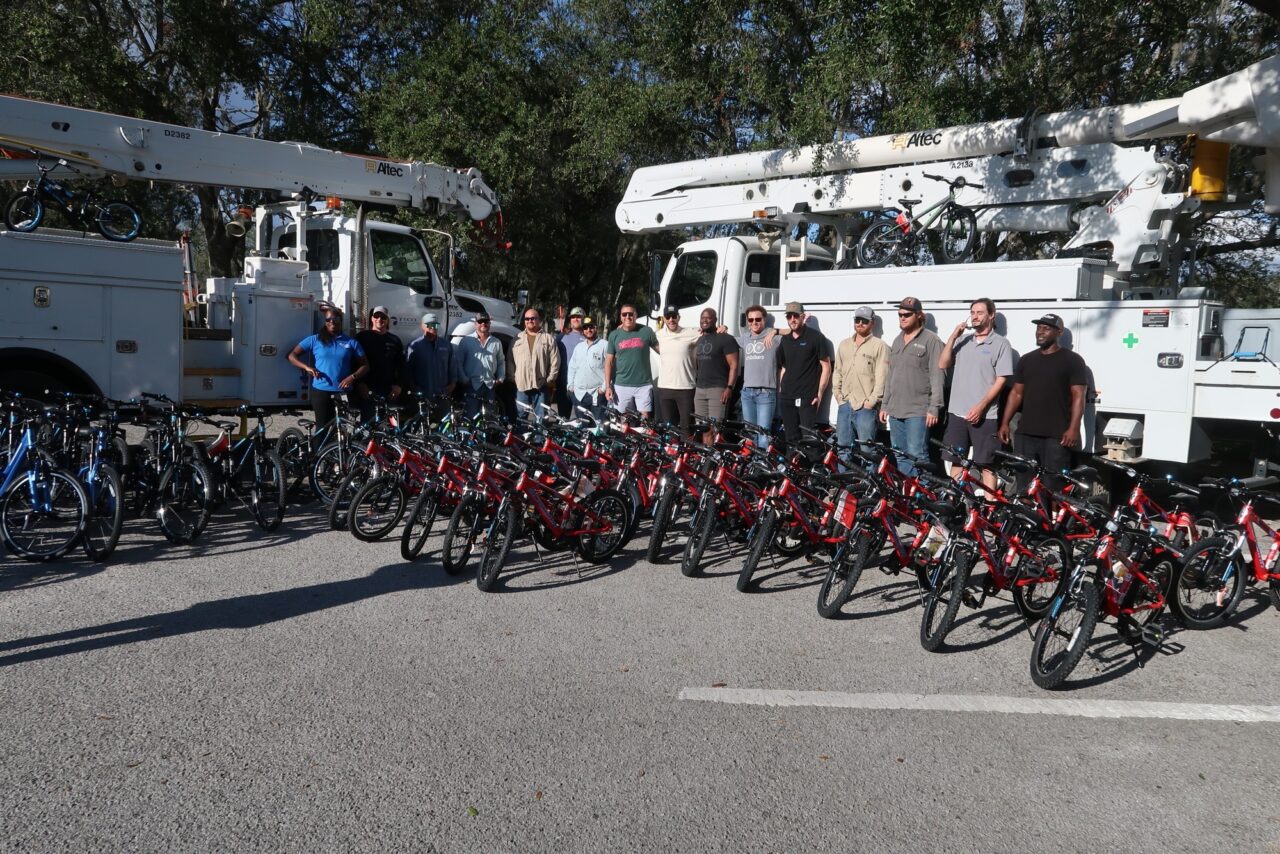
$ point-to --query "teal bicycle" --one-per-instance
(910, 237)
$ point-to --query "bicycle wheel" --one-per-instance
(361, 472)
(943, 599)
(43, 514)
(1209, 584)
(376, 509)
(460, 536)
(106, 512)
(1160, 569)
(760, 543)
(502, 530)
(1063, 635)
(843, 574)
(879, 244)
(329, 468)
(608, 509)
(1273, 590)
(267, 495)
(142, 480)
(117, 220)
(417, 528)
(292, 448)
(184, 500)
(663, 514)
(1051, 567)
(24, 212)
(957, 233)
(699, 536)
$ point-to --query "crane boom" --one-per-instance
(104, 144)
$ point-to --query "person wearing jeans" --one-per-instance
(913, 387)
(857, 381)
(759, 373)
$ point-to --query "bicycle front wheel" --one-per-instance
(1063, 636)
(1209, 584)
(418, 527)
(24, 212)
(267, 497)
(106, 513)
(761, 540)
(957, 233)
(607, 509)
(502, 530)
(376, 509)
(118, 221)
(184, 500)
(843, 574)
(699, 537)
(943, 599)
(879, 244)
(43, 514)
(662, 517)
(461, 535)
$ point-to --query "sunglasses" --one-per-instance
(380, 317)
(333, 320)
(791, 314)
(755, 320)
(861, 320)
(530, 319)
(482, 323)
(906, 314)
(591, 326)
(431, 325)
(628, 314)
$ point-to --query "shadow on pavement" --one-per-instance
(235, 612)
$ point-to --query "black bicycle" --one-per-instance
(113, 219)
(910, 237)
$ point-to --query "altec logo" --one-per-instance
(381, 167)
(916, 140)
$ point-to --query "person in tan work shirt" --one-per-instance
(536, 360)
(858, 379)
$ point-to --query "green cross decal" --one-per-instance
(1129, 340)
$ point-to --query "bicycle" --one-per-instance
(954, 226)
(248, 470)
(43, 508)
(113, 219)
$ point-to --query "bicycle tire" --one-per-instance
(843, 574)
(361, 472)
(24, 212)
(329, 468)
(1072, 620)
(1033, 600)
(699, 536)
(291, 445)
(118, 221)
(267, 495)
(377, 508)
(1273, 591)
(21, 520)
(500, 533)
(957, 234)
(417, 528)
(459, 537)
(1211, 569)
(880, 244)
(106, 514)
(607, 505)
(943, 599)
(663, 514)
(760, 543)
(184, 500)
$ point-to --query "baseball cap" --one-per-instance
(864, 312)
(430, 317)
(671, 311)
(794, 308)
(1050, 320)
(482, 317)
(588, 321)
(577, 312)
(911, 304)
(379, 309)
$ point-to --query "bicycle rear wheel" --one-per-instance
(1051, 569)
(184, 500)
(376, 509)
(24, 212)
(267, 496)
(117, 220)
(106, 513)
(1209, 584)
(608, 509)
(1063, 636)
(957, 233)
(879, 244)
(362, 471)
(292, 448)
(43, 514)
(461, 535)
(329, 468)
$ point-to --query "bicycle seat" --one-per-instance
(306, 423)
(224, 425)
(945, 509)
(907, 203)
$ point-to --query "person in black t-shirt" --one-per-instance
(715, 366)
(1048, 387)
(805, 358)
(385, 352)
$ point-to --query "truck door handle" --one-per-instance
(433, 302)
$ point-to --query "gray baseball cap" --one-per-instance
(430, 317)
(864, 312)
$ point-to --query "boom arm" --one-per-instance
(106, 144)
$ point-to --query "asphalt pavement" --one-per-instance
(303, 691)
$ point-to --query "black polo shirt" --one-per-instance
(802, 357)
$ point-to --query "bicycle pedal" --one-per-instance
(1152, 636)
(972, 601)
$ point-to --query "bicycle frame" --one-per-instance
(1263, 568)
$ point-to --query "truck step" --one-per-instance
(211, 403)
(211, 372)
(195, 333)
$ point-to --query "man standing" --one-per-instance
(676, 371)
(1048, 387)
(805, 357)
(913, 387)
(567, 340)
(537, 364)
(586, 370)
(628, 379)
(858, 380)
(983, 363)
(429, 364)
(759, 374)
(481, 365)
(716, 369)
(385, 353)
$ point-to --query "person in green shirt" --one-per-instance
(628, 378)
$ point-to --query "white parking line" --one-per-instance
(998, 705)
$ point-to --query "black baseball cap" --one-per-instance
(671, 311)
(482, 317)
(1049, 320)
(911, 304)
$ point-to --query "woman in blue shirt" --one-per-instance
(337, 362)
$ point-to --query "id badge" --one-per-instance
(797, 403)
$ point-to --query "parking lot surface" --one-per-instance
(305, 691)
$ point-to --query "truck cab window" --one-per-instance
(693, 279)
(322, 249)
(762, 270)
(398, 259)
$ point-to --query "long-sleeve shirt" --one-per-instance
(586, 367)
(860, 371)
(430, 365)
(535, 364)
(480, 365)
(913, 387)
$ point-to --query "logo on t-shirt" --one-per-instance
(630, 343)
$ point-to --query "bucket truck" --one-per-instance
(1173, 369)
(85, 314)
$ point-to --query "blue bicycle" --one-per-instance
(113, 219)
(43, 508)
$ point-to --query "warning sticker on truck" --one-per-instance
(1155, 317)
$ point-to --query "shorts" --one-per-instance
(980, 437)
(625, 396)
(706, 403)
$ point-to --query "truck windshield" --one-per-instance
(399, 259)
(693, 279)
